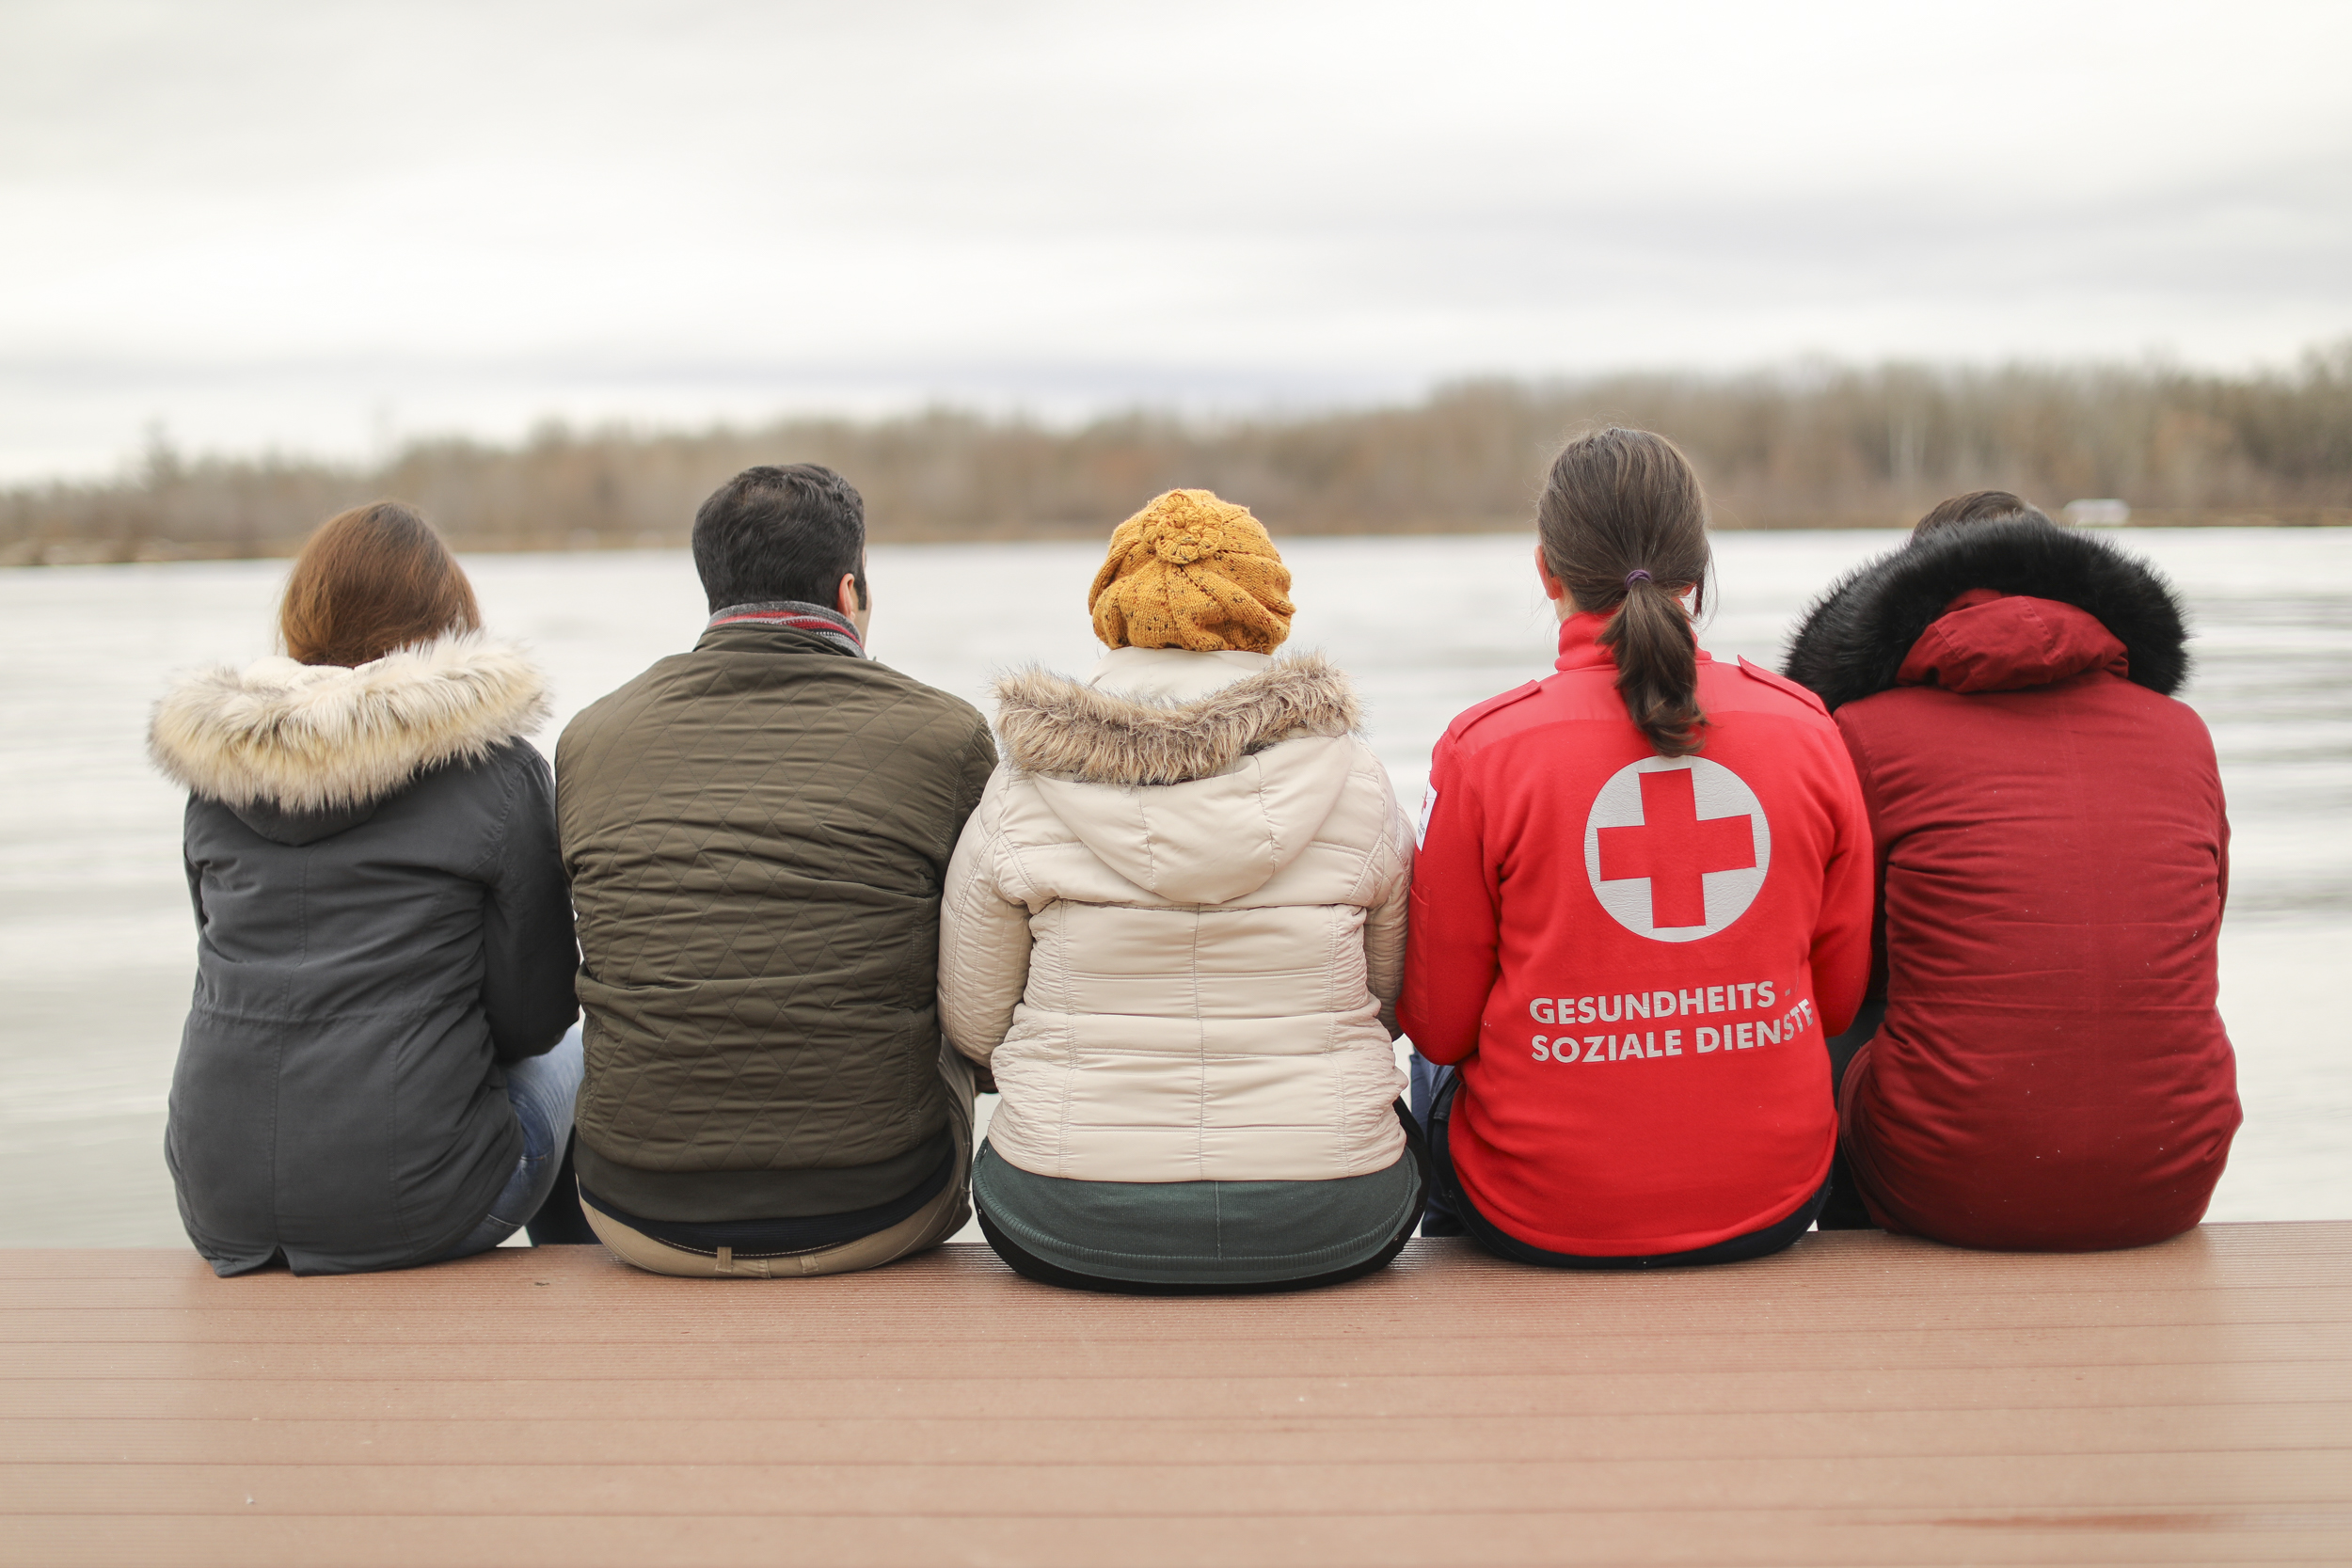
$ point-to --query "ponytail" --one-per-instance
(1623, 523)
(1657, 666)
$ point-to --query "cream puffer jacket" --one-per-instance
(1175, 926)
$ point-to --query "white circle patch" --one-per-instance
(1677, 848)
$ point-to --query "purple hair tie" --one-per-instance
(1637, 575)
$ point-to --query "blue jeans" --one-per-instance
(1428, 1081)
(542, 1090)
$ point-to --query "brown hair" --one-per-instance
(1978, 506)
(370, 580)
(1621, 503)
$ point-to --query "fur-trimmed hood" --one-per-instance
(278, 738)
(1856, 637)
(1198, 777)
(1059, 728)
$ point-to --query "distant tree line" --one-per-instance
(1805, 447)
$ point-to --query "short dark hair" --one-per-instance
(1978, 506)
(780, 532)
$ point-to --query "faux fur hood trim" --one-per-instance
(1856, 637)
(1057, 727)
(311, 737)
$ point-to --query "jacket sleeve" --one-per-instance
(196, 872)
(2221, 857)
(530, 955)
(1384, 921)
(975, 767)
(1451, 948)
(983, 938)
(1849, 883)
(2221, 834)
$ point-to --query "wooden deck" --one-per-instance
(1860, 1399)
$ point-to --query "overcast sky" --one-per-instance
(329, 227)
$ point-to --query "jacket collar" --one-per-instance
(828, 626)
(1858, 636)
(1580, 643)
(1173, 675)
(312, 738)
(1059, 728)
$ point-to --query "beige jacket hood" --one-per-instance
(1248, 806)
(319, 737)
(1174, 927)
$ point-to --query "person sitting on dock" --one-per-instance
(2043, 1065)
(756, 831)
(377, 1070)
(1174, 929)
(1642, 901)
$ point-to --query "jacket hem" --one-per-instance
(1694, 1240)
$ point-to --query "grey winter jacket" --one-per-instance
(381, 922)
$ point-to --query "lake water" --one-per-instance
(97, 943)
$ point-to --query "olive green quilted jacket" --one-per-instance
(756, 832)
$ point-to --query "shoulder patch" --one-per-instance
(1469, 717)
(1803, 694)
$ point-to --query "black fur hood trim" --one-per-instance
(1856, 637)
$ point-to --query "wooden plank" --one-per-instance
(1374, 1396)
(691, 1308)
(2327, 1348)
(1889, 1265)
(1361, 1488)
(1172, 1440)
(1796, 1535)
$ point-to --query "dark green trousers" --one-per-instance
(1162, 1238)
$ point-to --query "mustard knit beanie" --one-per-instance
(1191, 571)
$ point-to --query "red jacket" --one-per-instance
(1634, 961)
(2053, 855)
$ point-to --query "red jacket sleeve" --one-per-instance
(2221, 854)
(1842, 935)
(1450, 945)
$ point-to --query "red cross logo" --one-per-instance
(1677, 848)
(1674, 849)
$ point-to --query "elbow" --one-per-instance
(973, 1025)
(1443, 1053)
(1841, 1007)
(533, 1024)
(1432, 1040)
(974, 1046)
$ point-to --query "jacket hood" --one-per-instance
(1994, 641)
(1856, 639)
(1198, 800)
(1059, 728)
(300, 751)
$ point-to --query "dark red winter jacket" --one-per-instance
(1633, 961)
(2052, 860)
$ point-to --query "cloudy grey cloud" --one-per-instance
(315, 225)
